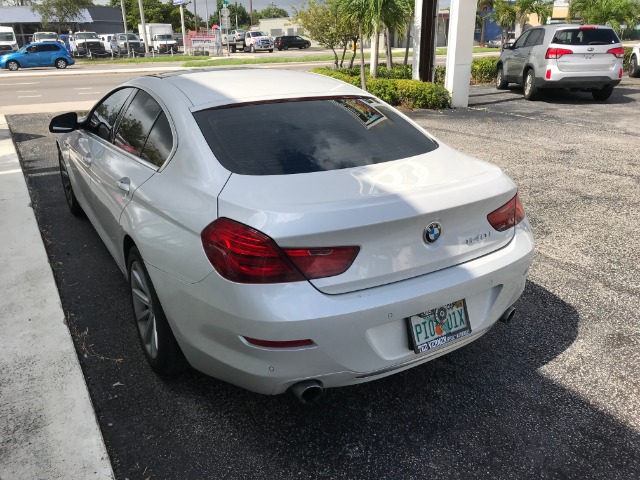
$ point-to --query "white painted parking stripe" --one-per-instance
(29, 96)
(21, 83)
(83, 88)
(87, 93)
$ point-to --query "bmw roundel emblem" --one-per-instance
(432, 232)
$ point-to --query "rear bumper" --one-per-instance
(560, 79)
(358, 336)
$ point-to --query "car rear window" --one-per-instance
(585, 36)
(302, 136)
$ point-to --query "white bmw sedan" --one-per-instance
(283, 230)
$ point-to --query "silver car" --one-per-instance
(337, 245)
(580, 57)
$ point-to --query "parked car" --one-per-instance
(634, 62)
(291, 41)
(496, 42)
(341, 245)
(45, 54)
(123, 44)
(580, 57)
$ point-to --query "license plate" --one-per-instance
(434, 328)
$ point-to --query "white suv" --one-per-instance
(634, 62)
(580, 57)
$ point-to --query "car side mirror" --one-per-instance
(508, 46)
(65, 123)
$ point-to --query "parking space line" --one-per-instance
(29, 96)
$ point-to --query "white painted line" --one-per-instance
(88, 93)
(83, 88)
(26, 91)
(21, 83)
(10, 171)
(29, 96)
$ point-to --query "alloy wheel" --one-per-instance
(144, 310)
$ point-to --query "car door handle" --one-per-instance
(124, 184)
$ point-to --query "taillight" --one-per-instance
(555, 53)
(587, 27)
(508, 215)
(243, 254)
(618, 52)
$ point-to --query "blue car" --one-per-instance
(41, 54)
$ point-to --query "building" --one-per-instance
(26, 22)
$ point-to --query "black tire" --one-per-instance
(233, 49)
(530, 89)
(271, 50)
(155, 335)
(501, 83)
(634, 70)
(602, 94)
(252, 49)
(61, 63)
(279, 49)
(70, 197)
(13, 65)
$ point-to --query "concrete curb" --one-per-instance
(48, 427)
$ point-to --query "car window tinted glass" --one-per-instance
(159, 143)
(136, 123)
(532, 39)
(289, 137)
(523, 38)
(104, 116)
(586, 36)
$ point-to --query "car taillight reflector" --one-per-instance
(322, 262)
(557, 53)
(620, 74)
(279, 343)
(548, 74)
(508, 215)
(618, 52)
(245, 255)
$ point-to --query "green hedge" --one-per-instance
(395, 87)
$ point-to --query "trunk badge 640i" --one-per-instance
(432, 232)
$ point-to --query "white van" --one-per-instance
(8, 41)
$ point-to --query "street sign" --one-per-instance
(178, 2)
(224, 11)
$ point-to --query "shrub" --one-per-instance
(627, 57)
(483, 70)
(403, 91)
(439, 75)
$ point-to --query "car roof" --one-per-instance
(214, 87)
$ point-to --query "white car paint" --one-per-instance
(356, 320)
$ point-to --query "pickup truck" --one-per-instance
(249, 41)
(86, 43)
(119, 44)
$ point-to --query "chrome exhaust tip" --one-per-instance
(508, 315)
(307, 391)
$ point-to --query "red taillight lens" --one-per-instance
(548, 74)
(508, 215)
(618, 52)
(557, 53)
(243, 254)
(322, 262)
(587, 27)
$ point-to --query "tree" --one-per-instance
(271, 12)
(504, 15)
(238, 15)
(614, 13)
(524, 8)
(372, 16)
(60, 11)
(484, 13)
(325, 23)
(154, 12)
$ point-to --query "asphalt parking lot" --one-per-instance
(555, 394)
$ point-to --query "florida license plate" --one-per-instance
(443, 325)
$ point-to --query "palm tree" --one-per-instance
(614, 13)
(483, 8)
(372, 16)
(504, 14)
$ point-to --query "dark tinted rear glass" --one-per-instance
(304, 136)
(585, 36)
